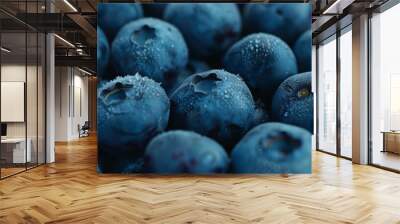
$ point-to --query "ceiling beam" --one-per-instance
(81, 61)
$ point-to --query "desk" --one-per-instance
(16, 147)
(391, 141)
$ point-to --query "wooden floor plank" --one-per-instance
(70, 191)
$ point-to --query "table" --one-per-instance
(16, 147)
(391, 141)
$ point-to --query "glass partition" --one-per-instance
(15, 150)
(23, 89)
(327, 96)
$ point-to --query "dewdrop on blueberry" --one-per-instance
(206, 156)
(293, 101)
(275, 63)
(210, 37)
(218, 98)
(137, 53)
(273, 148)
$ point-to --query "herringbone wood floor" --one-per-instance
(70, 191)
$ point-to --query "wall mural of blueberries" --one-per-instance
(204, 88)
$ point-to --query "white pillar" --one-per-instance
(50, 92)
(50, 99)
(360, 90)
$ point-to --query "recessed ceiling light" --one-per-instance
(5, 50)
(64, 40)
(337, 7)
(70, 5)
(84, 71)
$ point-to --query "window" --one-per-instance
(327, 96)
(385, 89)
(346, 92)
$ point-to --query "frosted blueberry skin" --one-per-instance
(285, 20)
(154, 9)
(263, 61)
(261, 114)
(192, 67)
(273, 148)
(209, 28)
(113, 16)
(293, 101)
(103, 53)
(214, 103)
(185, 152)
(131, 110)
(151, 47)
(302, 50)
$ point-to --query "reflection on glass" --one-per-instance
(385, 84)
(41, 98)
(31, 100)
(14, 153)
(327, 96)
(346, 94)
(22, 92)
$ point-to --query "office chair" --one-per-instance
(84, 130)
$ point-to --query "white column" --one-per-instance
(360, 90)
(50, 99)
(50, 92)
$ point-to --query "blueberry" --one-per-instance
(113, 16)
(118, 163)
(154, 9)
(293, 101)
(100, 83)
(273, 148)
(214, 103)
(263, 61)
(192, 67)
(131, 110)
(261, 114)
(151, 47)
(103, 53)
(302, 50)
(241, 6)
(285, 20)
(209, 28)
(185, 152)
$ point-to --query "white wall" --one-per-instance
(71, 94)
(61, 103)
(80, 109)
(16, 72)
